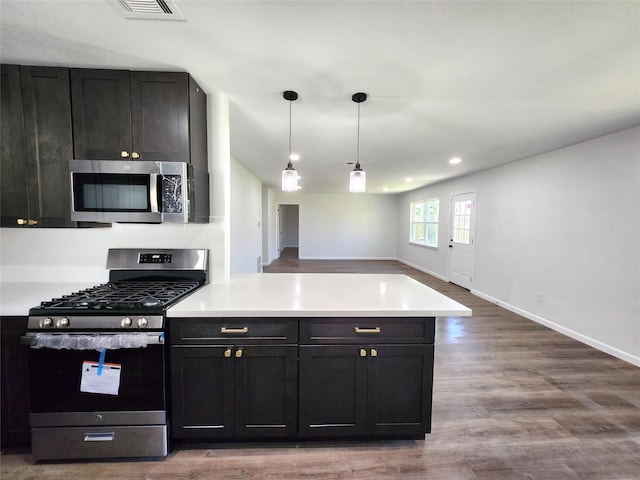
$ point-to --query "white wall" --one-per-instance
(79, 255)
(246, 220)
(344, 226)
(565, 225)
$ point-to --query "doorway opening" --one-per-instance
(288, 231)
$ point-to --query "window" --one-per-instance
(462, 222)
(424, 222)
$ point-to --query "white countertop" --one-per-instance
(317, 295)
(16, 298)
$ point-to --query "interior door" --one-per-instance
(461, 239)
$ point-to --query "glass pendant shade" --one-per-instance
(357, 180)
(289, 179)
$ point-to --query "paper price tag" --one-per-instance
(98, 377)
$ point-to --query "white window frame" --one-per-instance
(426, 222)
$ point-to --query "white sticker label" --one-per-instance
(100, 378)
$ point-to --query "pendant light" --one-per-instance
(289, 174)
(357, 177)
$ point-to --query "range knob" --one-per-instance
(63, 322)
(142, 322)
(126, 322)
(46, 322)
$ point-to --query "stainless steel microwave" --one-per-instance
(138, 192)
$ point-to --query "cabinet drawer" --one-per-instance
(367, 330)
(202, 331)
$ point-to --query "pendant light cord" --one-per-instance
(289, 132)
(358, 141)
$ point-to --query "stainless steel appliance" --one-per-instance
(97, 362)
(138, 192)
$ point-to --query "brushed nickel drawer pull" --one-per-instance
(234, 330)
(367, 330)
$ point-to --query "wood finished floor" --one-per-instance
(512, 400)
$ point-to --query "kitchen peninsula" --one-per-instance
(303, 356)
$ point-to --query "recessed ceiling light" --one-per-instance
(408, 179)
(385, 189)
(294, 156)
(455, 160)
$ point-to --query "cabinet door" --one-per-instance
(14, 200)
(101, 104)
(15, 383)
(160, 116)
(333, 384)
(48, 143)
(266, 391)
(202, 392)
(399, 389)
(198, 126)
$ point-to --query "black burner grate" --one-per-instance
(134, 296)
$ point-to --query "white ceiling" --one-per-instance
(490, 82)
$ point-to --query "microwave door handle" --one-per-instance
(154, 191)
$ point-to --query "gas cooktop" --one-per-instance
(143, 284)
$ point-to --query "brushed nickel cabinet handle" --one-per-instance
(227, 353)
(363, 352)
(239, 353)
(374, 352)
(234, 330)
(367, 330)
(124, 154)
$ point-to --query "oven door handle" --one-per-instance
(91, 341)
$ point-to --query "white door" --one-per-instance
(461, 239)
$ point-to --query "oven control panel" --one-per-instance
(155, 258)
(88, 322)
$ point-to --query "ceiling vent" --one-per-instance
(149, 9)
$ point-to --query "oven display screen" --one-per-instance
(155, 258)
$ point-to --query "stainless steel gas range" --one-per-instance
(97, 358)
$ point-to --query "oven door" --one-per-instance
(97, 404)
(72, 386)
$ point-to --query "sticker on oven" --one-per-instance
(98, 377)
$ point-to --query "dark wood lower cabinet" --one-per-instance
(365, 390)
(307, 378)
(14, 385)
(234, 391)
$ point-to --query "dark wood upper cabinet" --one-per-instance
(13, 166)
(101, 113)
(159, 116)
(36, 146)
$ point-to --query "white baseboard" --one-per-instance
(418, 267)
(616, 352)
(347, 258)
